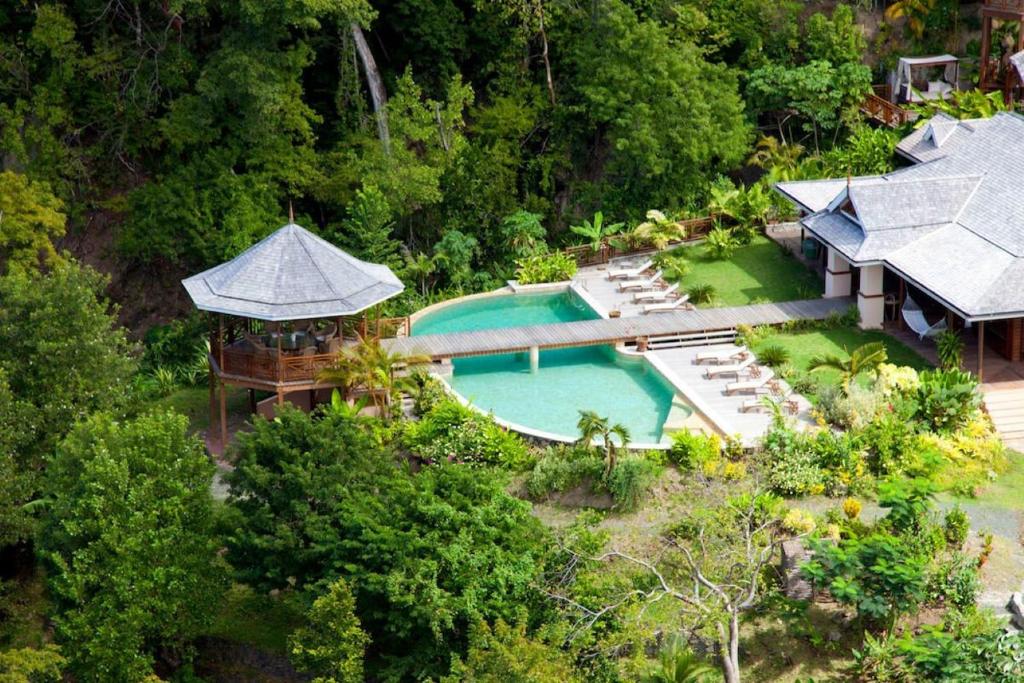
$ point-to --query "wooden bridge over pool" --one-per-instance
(648, 331)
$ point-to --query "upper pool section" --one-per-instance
(505, 310)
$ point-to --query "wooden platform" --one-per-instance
(614, 330)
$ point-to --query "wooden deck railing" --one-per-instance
(884, 111)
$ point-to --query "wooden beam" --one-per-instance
(981, 351)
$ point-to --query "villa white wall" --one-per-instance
(838, 276)
(870, 298)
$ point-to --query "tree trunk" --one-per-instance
(547, 61)
(376, 84)
(729, 649)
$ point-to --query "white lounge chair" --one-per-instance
(753, 384)
(668, 305)
(641, 283)
(657, 294)
(734, 369)
(618, 273)
(722, 355)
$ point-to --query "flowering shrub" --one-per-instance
(799, 521)
(896, 379)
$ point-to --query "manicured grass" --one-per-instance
(803, 346)
(760, 271)
(263, 621)
(1005, 492)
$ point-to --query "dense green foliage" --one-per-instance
(426, 555)
(61, 358)
(124, 499)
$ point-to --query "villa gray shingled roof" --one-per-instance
(953, 223)
(292, 275)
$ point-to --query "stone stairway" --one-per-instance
(1005, 405)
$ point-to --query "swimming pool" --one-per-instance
(505, 310)
(626, 390)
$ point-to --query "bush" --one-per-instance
(631, 480)
(691, 450)
(956, 525)
(720, 243)
(561, 469)
(955, 581)
(909, 502)
(179, 346)
(451, 432)
(701, 294)
(950, 347)
(947, 399)
(554, 266)
(773, 355)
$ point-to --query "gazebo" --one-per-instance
(283, 310)
(914, 78)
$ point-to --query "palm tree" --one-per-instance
(914, 11)
(592, 426)
(596, 232)
(864, 358)
(420, 267)
(773, 155)
(677, 664)
(369, 365)
(658, 230)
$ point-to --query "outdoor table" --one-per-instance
(290, 341)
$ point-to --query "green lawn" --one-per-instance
(760, 271)
(194, 403)
(803, 346)
(263, 621)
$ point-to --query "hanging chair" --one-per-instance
(914, 317)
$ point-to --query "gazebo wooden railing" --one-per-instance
(274, 369)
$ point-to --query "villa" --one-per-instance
(942, 238)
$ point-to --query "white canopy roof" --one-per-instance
(292, 275)
(935, 60)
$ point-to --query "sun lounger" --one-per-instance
(753, 384)
(656, 295)
(668, 305)
(734, 369)
(618, 273)
(641, 283)
(789, 404)
(722, 355)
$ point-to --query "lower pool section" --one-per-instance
(626, 390)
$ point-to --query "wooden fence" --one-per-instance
(690, 228)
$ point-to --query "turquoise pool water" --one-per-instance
(625, 390)
(510, 310)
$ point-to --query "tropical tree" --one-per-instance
(596, 232)
(30, 219)
(370, 366)
(772, 154)
(128, 539)
(914, 11)
(864, 358)
(678, 664)
(658, 230)
(331, 644)
(522, 233)
(592, 426)
(420, 267)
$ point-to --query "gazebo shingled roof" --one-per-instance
(292, 275)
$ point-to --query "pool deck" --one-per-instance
(708, 395)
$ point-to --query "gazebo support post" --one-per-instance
(981, 351)
(252, 401)
(223, 418)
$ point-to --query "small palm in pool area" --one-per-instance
(593, 426)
